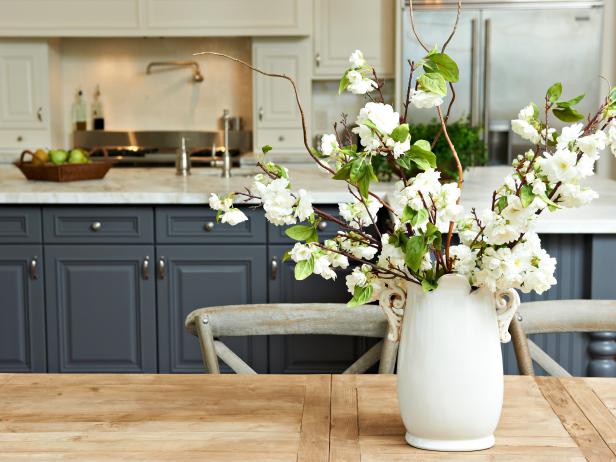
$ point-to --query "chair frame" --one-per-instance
(288, 319)
(552, 317)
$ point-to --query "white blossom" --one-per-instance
(525, 130)
(300, 252)
(390, 256)
(329, 144)
(424, 99)
(560, 166)
(303, 208)
(218, 203)
(278, 203)
(233, 217)
(568, 135)
(357, 215)
(573, 195)
(464, 259)
(357, 59)
(592, 144)
(527, 113)
(358, 84)
(383, 116)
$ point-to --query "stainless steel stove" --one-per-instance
(159, 148)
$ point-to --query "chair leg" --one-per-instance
(206, 341)
(388, 356)
(365, 361)
(520, 346)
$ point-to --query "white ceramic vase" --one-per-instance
(450, 369)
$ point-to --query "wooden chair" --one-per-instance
(556, 316)
(286, 319)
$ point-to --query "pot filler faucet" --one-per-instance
(197, 76)
(226, 157)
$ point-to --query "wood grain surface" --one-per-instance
(107, 417)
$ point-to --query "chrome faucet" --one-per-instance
(182, 160)
(226, 157)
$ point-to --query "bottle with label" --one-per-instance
(98, 119)
(79, 112)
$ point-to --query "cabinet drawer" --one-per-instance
(103, 225)
(328, 229)
(20, 225)
(290, 139)
(180, 225)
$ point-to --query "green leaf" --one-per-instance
(526, 195)
(567, 114)
(414, 252)
(433, 82)
(434, 236)
(267, 148)
(302, 233)
(407, 214)
(368, 123)
(535, 111)
(286, 256)
(304, 268)
(218, 215)
(344, 172)
(423, 144)
(552, 205)
(400, 133)
(361, 296)
(358, 169)
(344, 83)
(571, 102)
(442, 64)
(428, 285)
(501, 203)
(424, 159)
(554, 92)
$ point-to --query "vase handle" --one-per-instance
(507, 302)
(392, 301)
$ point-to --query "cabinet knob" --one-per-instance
(317, 59)
(145, 268)
(274, 268)
(161, 268)
(20, 139)
(39, 114)
(96, 226)
(322, 225)
(261, 114)
(34, 268)
(281, 138)
(209, 226)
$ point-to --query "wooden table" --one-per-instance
(280, 418)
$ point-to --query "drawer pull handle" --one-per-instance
(96, 226)
(161, 268)
(145, 268)
(34, 268)
(209, 226)
(274, 268)
(260, 114)
(317, 59)
(322, 225)
(39, 114)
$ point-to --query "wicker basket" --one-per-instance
(95, 170)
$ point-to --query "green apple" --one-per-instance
(58, 156)
(77, 156)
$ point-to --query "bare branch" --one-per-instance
(423, 45)
(455, 27)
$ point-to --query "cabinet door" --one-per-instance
(201, 276)
(304, 354)
(277, 117)
(24, 92)
(22, 309)
(336, 35)
(101, 313)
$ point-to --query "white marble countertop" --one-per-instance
(161, 186)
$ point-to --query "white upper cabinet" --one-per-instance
(341, 26)
(158, 18)
(229, 17)
(24, 94)
(277, 118)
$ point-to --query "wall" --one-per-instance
(164, 100)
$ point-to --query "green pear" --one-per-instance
(77, 156)
(58, 156)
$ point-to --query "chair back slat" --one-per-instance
(556, 316)
(286, 319)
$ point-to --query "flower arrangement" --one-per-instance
(497, 248)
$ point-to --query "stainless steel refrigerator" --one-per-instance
(509, 53)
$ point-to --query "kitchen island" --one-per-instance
(99, 275)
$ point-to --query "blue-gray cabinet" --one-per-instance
(101, 308)
(305, 354)
(197, 276)
(22, 309)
